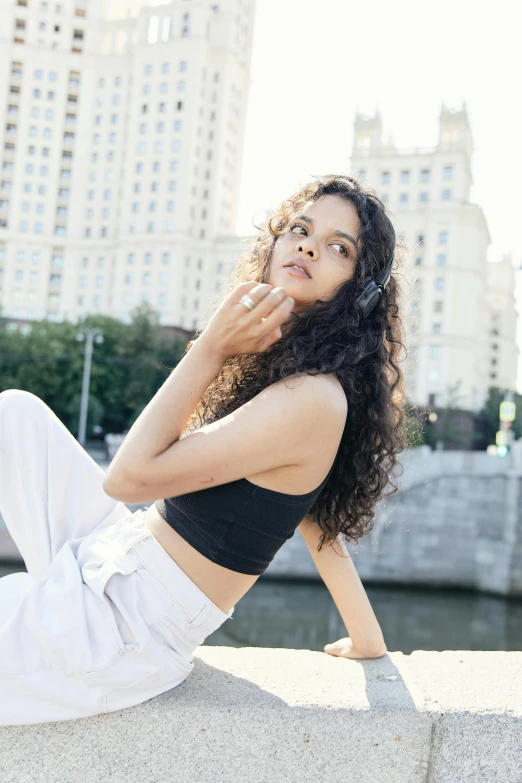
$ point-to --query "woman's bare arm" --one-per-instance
(343, 582)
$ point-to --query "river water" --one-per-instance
(302, 615)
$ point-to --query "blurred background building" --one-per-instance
(122, 145)
(460, 316)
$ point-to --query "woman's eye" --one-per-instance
(344, 250)
(296, 225)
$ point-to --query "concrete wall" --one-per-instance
(293, 716)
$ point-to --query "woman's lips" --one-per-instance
(296, 272)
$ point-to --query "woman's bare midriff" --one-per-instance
(223, 586)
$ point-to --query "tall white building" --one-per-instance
(448, 306)
(503, 351)
(123, 130)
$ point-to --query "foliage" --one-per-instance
(127, 368)
(491, 410)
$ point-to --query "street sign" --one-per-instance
(502, 438)
(507, 411)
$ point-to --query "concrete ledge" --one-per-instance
(294, 716)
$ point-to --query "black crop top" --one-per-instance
(238, 525)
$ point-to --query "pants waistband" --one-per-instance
(204, 613)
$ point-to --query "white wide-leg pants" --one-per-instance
(104, 619)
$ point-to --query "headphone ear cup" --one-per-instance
(372, 302)
(367, 300)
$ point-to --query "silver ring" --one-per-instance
(248, 301)
(278, 295)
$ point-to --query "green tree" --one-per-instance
(127, 368)
(491, 411)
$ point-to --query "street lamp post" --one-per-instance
(90, 335)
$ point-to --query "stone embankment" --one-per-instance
(256, 715)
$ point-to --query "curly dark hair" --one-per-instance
(331, 337)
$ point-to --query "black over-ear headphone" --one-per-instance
(373, 289)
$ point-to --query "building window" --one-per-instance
(437, 307)
(447, 172)
(446, 195)
(405, 176)
(443, 237)
(441, 259)
(434, 351)
(425, 175)
(423, 195)
(439, 284)
(436, 328)
(385, 177)
(403, 198)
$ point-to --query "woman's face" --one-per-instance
(322, 236)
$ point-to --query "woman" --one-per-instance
(286, 412)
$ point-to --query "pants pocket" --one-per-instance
(141, 676)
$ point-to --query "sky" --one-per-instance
(315, 64)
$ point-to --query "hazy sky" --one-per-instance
(315, 63)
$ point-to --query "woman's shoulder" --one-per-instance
(326, 388)
(315, 405)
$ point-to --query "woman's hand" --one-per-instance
(344, 648)
(235, 330)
